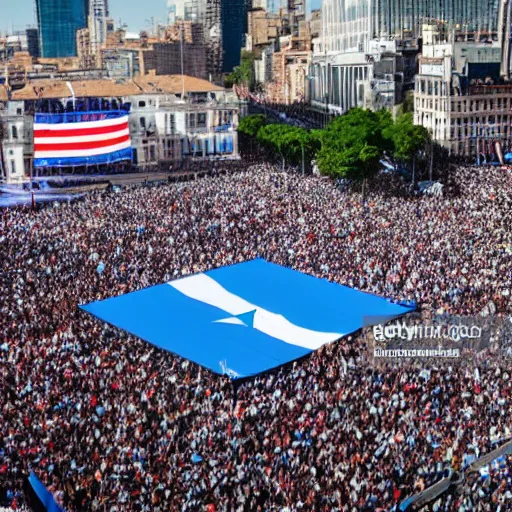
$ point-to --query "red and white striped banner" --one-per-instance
(83, 139)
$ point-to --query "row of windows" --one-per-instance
(465, 105)
(471, 131)
(341, 81)
(489, 120)
(431, 104)
(142, 103)
(468, 105)
(172, 147)
(481, 105)
(196, 120)
(431, 87)
(478, 123)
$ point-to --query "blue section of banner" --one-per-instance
(197, 330)
(224, 143)
(44, 495)
(107, 158)
(224, 127)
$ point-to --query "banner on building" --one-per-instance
(223, 143)
(81, 139)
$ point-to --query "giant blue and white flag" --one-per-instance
(244, 319)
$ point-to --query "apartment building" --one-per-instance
(171, 118)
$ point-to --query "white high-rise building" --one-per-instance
(366, 53)
(186, 10)
(97, 23)
(175, 10)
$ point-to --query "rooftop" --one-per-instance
(173, 84)
(3, 93)
(51, 88)
(147, 84)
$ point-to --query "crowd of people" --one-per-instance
(296, 114)
(111, 423)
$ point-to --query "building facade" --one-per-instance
(166, 127)
(263, 29)
(33, 42)
(97, 24)
(87, 60)
(357, 35)
(281, 46)
(15, 137)
(461, 100)
(121, 62)
(58, 22)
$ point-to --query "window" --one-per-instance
(142, 103)
(19, 111)
(142, 121)
(152, 153)
(13, 167)
(14, 132)
(201, 120)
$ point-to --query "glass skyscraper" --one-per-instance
(58, 21)
(233, 16)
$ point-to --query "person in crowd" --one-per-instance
(111, 423)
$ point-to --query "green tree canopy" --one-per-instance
(244, 73)
(288, 142)
(250, 125)
(386, 123)
(353, 144)
(407, 138)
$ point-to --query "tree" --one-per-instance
(248, 128)
(408, 104)
(250, 125)
(273, 137)
(292, 144)
(408, 139)
(353, 144)
(243, 74)
(386, 123)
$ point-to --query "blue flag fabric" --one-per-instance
(45, 496)
(244, 319)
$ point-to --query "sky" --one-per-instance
(17, 14)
